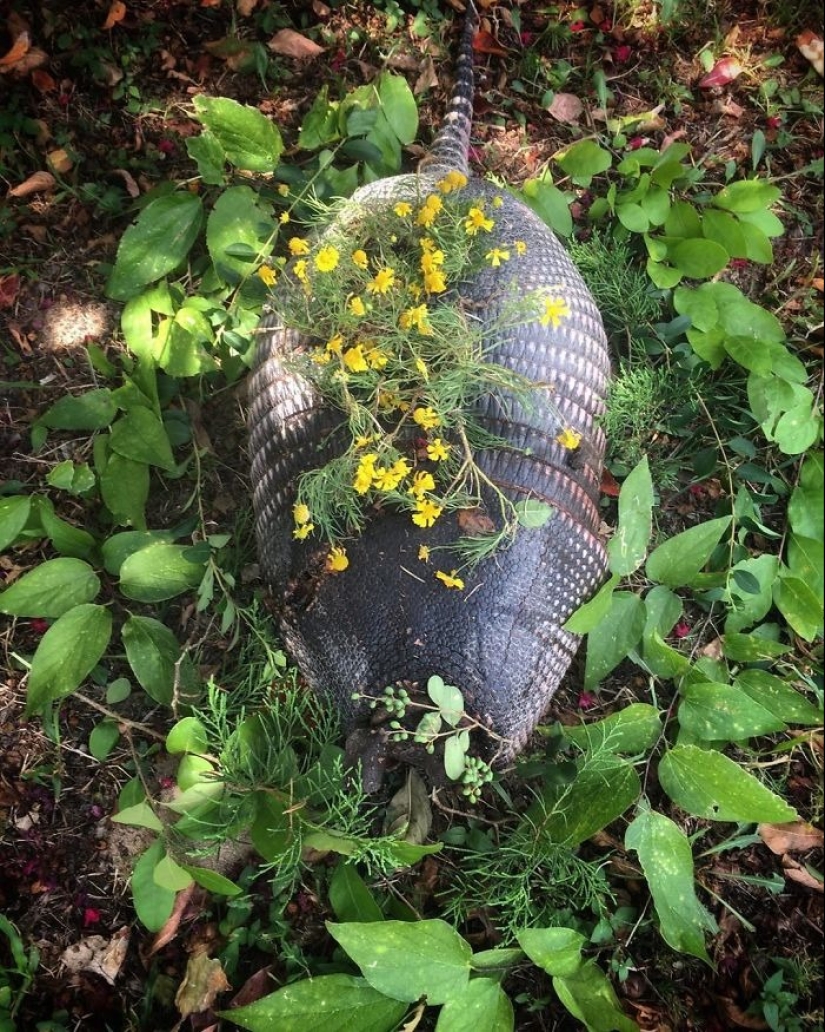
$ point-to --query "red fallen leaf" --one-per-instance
(9, 287)
(42, 81)
(485, 43)
(723, 72)
(117, 12)
(18, 50)
(609, 485)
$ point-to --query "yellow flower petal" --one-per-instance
(337, 560)
(298, 246)
(327, 259)
(449, 580)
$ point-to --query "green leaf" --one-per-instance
(618, 633)
(590, 997)
(633, 217)
(532, 514)
(208, 155)
(679, 559)
(665, 277)
(188, 735)
(117, 548)
(550, 204)
(584, 160)
(93, 410)
(628, 546)
(76, 479)
(483, 1006)
(140, 815)
(327, 1003)
(14, 515)
(747, 195)
(748, 607)
(140, 436)
(320, 125)
(716, 712)
(779, 697)
(399, 106)
(153, 902)
(238, 217)
(182, 344)
(709, 785)
(698, 259)
(630, 730)
(683, 221)
(806, 560)
(156, 244)
(66, 538)
(407, 960)
(797, 602)
(103, 739)
(350, 898)
(51, 589)
(798, 428)
(249, 140)
(124, 486)
(158, 572)
(169, 875)
(67, 654)
(667, 862)
(592, 613)
(758, 247)
(213, 882)
(724, 230)
(154, 655)
(808, 498)
(749, 648)
(448, 698)
(555, 950)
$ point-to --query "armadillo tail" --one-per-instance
(452, 143)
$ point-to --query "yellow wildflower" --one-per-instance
(376, 358)
(360, 259)
(429, 212)
(357, 307)
(401, 468)
(476, 220)
(334, 344)
(416, 317)
(321, 357)
(421, 366)
(283, 218)
(452, 181)
(403, 209)
(449, 580)
(424, 553)
(355, 360)
(421, 484)
(297, 246)
(427, 418)
(268, 276)
(382, 281)
(300, 513)
(434, 282)
(431, 260)
(363, 475)
(520, 246)
(498, 200)
(415, 289)
(427, 244)
(302, 533)
(438, 450)
(337, 560)
(555, 309)
(569, 438)
(326, 259)
(426, 513)
(300, 271)
(283, 190)
(497, 256)
(388, 400)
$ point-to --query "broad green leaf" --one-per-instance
(555, 950)
(14, 515)
(497, 962)
(662, 609)
(188, 735)
(448, 698)
(779, 697)
(806, 560)
(153, 902)
(208, 155)
(584, 160)
(117, 548)
(212, 881)
(483, 1006)
(589, 996)
(350, 898)
(238, 217)
(748, 607)
(103, 739)
(399, 106)
(455, 755)
(158, 572)
(320, 124)
(328, 1003)
(194, 770)
(661, 659)
(67, 654)
(628, 546)
(124, 486)
(726, 231)
(550, 204)
(667, 862)
(249, 140)
(93, 410)
(698, 259)
(630, 730)
(51, 589)
(683, 221)
(532, 514)
(798, 428)
(797, 602)
(140, 815)
(758, 247)
(156, 244)
(665, 277)
(677, 561)
(592, 613)
(699, 306)
(747, 195)
(616, 634)
(807, 500)
(750, 648)
(140, 436)
(750, 354)
(66, 538)
(633, 217)
(154, 655)
(709, 785)
(182, 344)
(170, 875)
(407, 960)
(716, 712)
(76, 479)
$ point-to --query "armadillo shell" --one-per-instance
(387, 618)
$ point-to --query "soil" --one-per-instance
(117, 103)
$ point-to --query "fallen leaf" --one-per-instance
(714, 649)
(723, 72)
(257, 985)
(474, 523)
(289, 43)
(170, 928)
(409, 815)
(9, 287)
(427, 77)
(33, 58)
(101, 956)
(43, 82)
(36, 183)
(597, 15)
(738, 1017)
(203, 981)
(609, 485)
(566, 107)
(810, 46)
(117, 12)
(799, 874)
(19, 48)
(129, 180)
(246, 7)
(59, 161)
(485, 43)
(795, 837)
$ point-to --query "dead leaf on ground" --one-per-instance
(101, 956)
(800, 874)
(170, 927)
(38, 182)
(9, 287)
(18, 50)
(738, 1017)
(723, 73)
(427, 77)
(796, 837)
(566, 107)
(203, 982)
(485, 43)
(117, 12)
(811, 46)
(474, 523)
(246, 7)
(289, 43)
(260, 984)
(42, 81)
(409, 815)
(59, 161)
(129, 181)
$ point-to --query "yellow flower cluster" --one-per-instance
(556, 309)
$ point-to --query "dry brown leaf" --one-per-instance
(9, 288)
(129, 180)
(320, 10)
(59, 161)
(99, 955)
(474, 523)
(36, 183)
(33, 58)
(117, 12)
(246, 7)
(170, 928)
(790, 838)
(567, 108)
(17, 52)
(427, 77)
(818, 283)
(43, 82)
(289, 43)
(799, 874)
(597, 15)
(35, 231)
(203, 981)
(811, 46)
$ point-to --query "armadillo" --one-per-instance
(502, 641)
